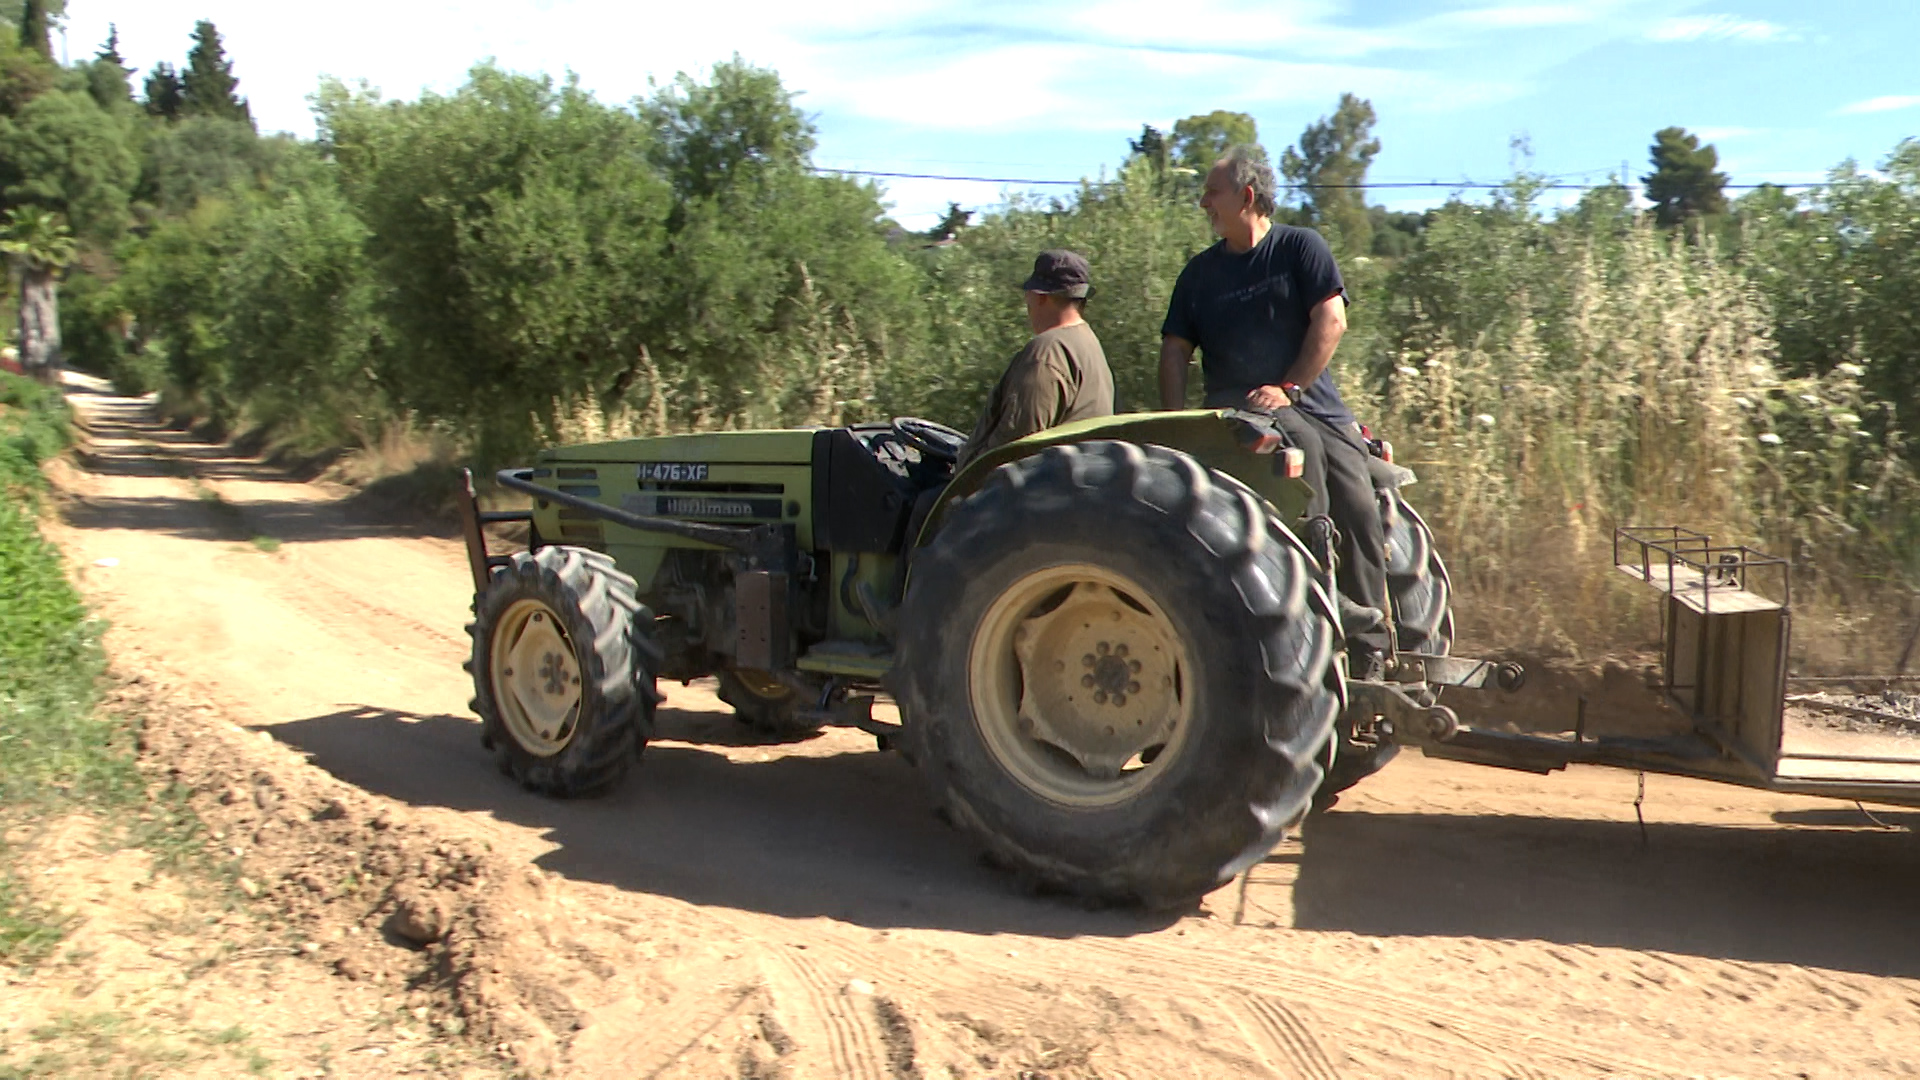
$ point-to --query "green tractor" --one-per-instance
(1114, 646)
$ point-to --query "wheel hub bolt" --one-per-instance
(1099, 697)
(1087, 660)
(1120, 651)
(1086, 681)
(1132, 687)
(1104, 648)
(1118, 700)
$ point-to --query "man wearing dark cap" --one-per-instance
(1061, 375)
(1265, 307)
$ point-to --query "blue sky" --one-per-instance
(991, 88)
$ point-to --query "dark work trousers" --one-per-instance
(1336, 468)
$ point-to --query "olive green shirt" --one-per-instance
(1061, 376)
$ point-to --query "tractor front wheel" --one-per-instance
(763, 703)
(1117, 671)
(562, 671)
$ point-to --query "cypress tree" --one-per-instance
(207, 85)
(110, 50)
(1684, 183)
(107, 76)
(34, 30)
(164, 97)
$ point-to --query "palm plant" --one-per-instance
(39, 246)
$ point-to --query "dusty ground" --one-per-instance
(795, 911)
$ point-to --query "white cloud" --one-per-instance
(1889, 103)
(1718, 28)
(1526, 16)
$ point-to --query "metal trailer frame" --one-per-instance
(1726, 625)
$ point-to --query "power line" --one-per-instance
(1452, 185)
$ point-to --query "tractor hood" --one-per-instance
(787, 447)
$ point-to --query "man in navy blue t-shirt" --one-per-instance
(1265, 307)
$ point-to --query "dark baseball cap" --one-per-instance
(1062, 273)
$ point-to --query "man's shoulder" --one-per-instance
(1074, 337)
(1209, 254)
(1296, 238)
(1063, 347)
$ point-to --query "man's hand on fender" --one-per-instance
(1267, 398)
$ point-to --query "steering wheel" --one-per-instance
(937, 441)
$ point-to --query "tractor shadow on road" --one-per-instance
(1837, 898)
(790, 831)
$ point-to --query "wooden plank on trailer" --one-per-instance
(1697, 590)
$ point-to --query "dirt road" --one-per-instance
(795, 910)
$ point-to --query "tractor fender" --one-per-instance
(1214, 437)
(1387, 476)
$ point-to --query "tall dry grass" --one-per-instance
(1630, 377)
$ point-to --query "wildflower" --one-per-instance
(1407, 369)
(1770, 439)
(1854, 370)
(1847, 418)
(1745, 403)
(1810, 399)
(1484, 418)
(1861, 487)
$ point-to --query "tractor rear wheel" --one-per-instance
(763, 703)
(1117, 671)
(1421, 595)
(562, 671)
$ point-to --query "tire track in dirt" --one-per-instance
(853, 1046)
(1446, 1024)
(1283, 1033)
(645, 1042)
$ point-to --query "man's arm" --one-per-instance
(1326, 324)
(1033, 398)
(1175, 354)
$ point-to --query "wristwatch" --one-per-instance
(1292, 390)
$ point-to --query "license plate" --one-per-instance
(673, 472)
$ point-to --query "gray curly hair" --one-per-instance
(1247, 167)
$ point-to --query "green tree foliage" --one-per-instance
(202, 156)
(24, 75)
(722, 134)
(108, 74)
(1152, 148)
(516, 228)
(951, 224)
(170, 282)
(1329, 168)
(1199, 141)
(1842, 270)
(34, 28)
(1683, 184)
(165, 97)
(299, 331)
(207, 86)
(62, 151)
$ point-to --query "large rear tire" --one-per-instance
(1421, 594)
(1117, 671)
(562, 671)
(1417, 581)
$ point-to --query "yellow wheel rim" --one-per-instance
(536, 678)
(1080, 685)
(762, 685)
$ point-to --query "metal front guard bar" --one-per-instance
(763, 546)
